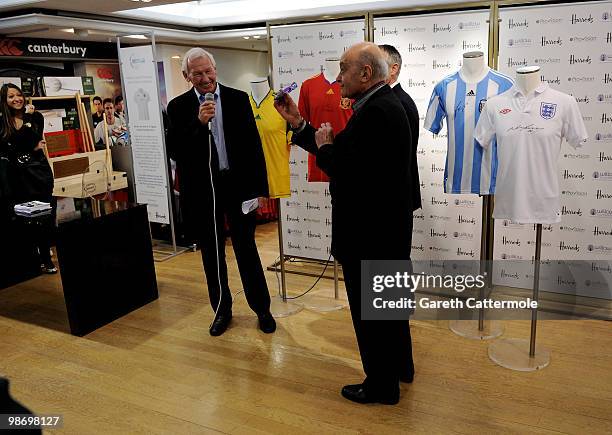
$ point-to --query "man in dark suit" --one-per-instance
(222, 172)
(394, 61)
(367, 160)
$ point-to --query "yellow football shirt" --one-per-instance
(273, 133)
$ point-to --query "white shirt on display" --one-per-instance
(529, 131)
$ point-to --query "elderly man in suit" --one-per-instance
(222, 172)
(368, 159)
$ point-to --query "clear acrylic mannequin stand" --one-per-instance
(482, 329)
(520, 354)
(280, 306)
(322, 303)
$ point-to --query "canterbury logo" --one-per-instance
(505, 111)
(8, 47)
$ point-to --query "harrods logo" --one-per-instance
(551, 42)
(564, 247)
(603, 157)
(325, 36)
(283, 39)
(597, 231)
(435, 201)
(513, 242)
(583, 100)
(434, 233)
(573, 60)
(418, 248)
(310, 206)
(293, 245)
(463, 220)
(516, 63)
(605, 118)
(505, 274)
(463, 253)
(312, 235)
(566, 282)
(607, 78)
(555, 81)
(436, 65)
(328, 222)
(292, 219)
(609, 38)
(581, 19)
(566, 211)
(437, 28)
(471, 45)
(420, 216)
(416, 47)
(388, 31)
(304, 53)
(416, 84)
(284, 71)
(326, 192)
(518, 24)
(567, 175)
(603, 267)
(435, 168)
(602, 195)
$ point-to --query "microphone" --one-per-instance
(209, 97)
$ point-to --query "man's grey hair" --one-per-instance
(195, 53)
(380, 69)
(393, 56)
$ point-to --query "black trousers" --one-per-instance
(242, 233)
(385, 346)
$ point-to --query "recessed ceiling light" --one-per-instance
(256, 36)
(136, 36)
(246, 37)
(176, 57)
(67, 30)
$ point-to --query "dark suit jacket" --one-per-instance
(370, 180)
(413, 118)
(188, 146)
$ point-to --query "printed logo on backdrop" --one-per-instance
(602, 176)
(442, 28)
(384, 31)
(471, 45)
(552, 81)
(468, 25)
(580, 60)
(306, 53)
(437, 217)
(416, 65)
(304, 37)
(463, 235)
(512, 63)
(586, 38)
(283, 39)
(519, 42)
(547, 42)
(438, 65)
(603, 137)
(601, 212)
(285, 54)
(574, 193)
(601, 194)
(284, 71)
(347, 33)
(582, 79)
(603, 157)
(599, 231)
(583, 100)
(466, 220)
(605, 58)
(465, 203)
(572, 229)
(328, 52)
(544, 21)
(442, 46)
(323, 36)
(518, 24)
(569, 211)
(547, 60)
(582, 19)
(416, 29)
(416, 47)
(438, 203)
(606, 17)
(136, 62)
(569, 175)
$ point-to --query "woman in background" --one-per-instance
(28, 173)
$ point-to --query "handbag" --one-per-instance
(35, 176)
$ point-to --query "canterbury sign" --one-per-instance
(56, 48)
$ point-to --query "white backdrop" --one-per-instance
(573, 45)
(299, 52)
(448, 226)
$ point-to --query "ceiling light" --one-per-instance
(246, 37)
(256, 36)
(176, 57)
(67, 30)
(136, 36)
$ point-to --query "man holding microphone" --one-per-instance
(368, 160)
(213, 138)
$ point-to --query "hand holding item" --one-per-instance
(287, 108)
(29, 108)
(207, 112)
(41, 145)
(324, 135)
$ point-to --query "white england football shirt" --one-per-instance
(529, 131)
(469, 168)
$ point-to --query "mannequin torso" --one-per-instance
(528, 79)
(332, 69)
(259, 89)
(474, 67)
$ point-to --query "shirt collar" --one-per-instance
(217, 92)
(541, 88)
(360, 101)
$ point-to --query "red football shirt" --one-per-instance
(320, 101)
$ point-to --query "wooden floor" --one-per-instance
(157, 370)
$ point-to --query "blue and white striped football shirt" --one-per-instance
(469, 167)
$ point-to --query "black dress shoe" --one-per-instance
(267, 323)
(357, 393)
(220, 324)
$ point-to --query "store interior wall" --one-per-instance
(235, 68)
